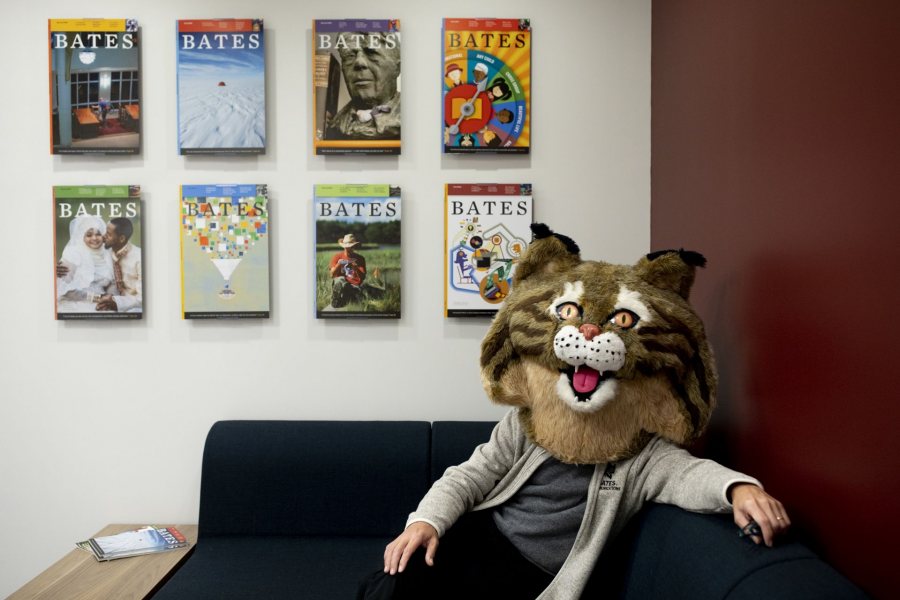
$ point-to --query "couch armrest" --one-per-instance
(667, 552)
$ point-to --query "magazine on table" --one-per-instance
(145, 540)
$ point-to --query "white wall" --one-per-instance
(105, 422)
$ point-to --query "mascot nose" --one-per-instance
(589, 330)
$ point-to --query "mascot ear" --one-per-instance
(671, 270)
(548, 253)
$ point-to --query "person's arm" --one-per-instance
(670, 475)
(457, 491)
(65, 270)
(128, 302)
(335, 267)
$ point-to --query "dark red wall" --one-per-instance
(776, 153)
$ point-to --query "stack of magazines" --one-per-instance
(145, 540)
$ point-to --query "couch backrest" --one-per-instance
(313, 477)
(452, 442)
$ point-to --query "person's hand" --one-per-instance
(751, 503)
(106, 302)
(397, 553)
(61, 269)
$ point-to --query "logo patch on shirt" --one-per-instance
(608, 482)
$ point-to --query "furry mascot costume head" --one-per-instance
(600, 357)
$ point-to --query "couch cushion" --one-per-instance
(293, 478)
(452, 442)
(271, 568)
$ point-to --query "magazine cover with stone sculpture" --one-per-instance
(356, 86)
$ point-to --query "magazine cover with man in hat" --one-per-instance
(357, 258)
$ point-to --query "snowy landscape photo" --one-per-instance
(221, 91)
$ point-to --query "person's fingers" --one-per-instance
(749, 527)
(782, 521)
(411, 547)
(388, 552)
(768, 531)
(764, 514)
(430, 549)
(395, 556)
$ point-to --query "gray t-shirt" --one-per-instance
(543, 517)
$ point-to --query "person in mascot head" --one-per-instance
(609, 374)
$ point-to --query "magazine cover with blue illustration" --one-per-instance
(487, 86)
(221, 86)
(357, 251)
(487, 227)
(224, 251)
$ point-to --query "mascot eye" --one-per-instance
(624, 319)
(568, 310)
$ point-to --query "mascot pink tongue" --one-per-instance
(585, 379)
(600, 357)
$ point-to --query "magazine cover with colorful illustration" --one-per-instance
(487, 85)
(356, 86)
(357, 257)
(95, 93)
(221, 86)
(487, 228)
(97, 251)
(224, 251)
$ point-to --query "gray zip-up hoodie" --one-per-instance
(661, 472)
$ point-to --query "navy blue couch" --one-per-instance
(303, 509)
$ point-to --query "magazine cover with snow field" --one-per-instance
(221, 86)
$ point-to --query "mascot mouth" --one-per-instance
(584, 381)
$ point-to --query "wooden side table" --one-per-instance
(79, 576)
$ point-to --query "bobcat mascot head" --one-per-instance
(600, 357)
